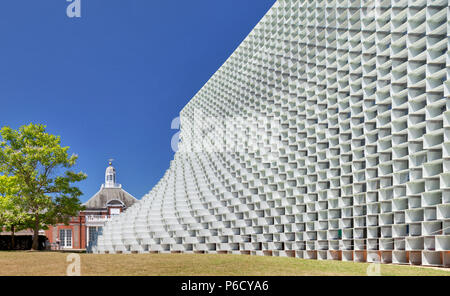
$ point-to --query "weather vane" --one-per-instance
(110, 161)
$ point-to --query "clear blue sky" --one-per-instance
(110, 82)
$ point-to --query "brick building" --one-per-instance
(83, 229)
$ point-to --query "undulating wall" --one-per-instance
(325, 135)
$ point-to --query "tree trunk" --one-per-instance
(35, 245)
(12, 238)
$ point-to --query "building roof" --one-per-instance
(109, 196)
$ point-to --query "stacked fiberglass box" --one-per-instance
(325, 135)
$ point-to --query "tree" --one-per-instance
(12, 215)
(43, 169)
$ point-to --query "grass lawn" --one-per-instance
(54, 263)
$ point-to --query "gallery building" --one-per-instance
(83, 229)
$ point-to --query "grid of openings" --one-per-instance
(358, 166)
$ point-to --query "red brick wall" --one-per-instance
(52, 232)
(78, 242)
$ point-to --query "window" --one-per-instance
(94, 232)
(114, 211)
(65, 238)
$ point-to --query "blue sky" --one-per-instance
(110, 83)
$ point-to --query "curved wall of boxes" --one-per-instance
(325, 135)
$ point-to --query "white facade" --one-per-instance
(325, 135)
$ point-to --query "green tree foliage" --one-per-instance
(42, 168)
(12, 215)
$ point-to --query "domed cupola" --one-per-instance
(110, 176)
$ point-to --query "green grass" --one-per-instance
(54, 263)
